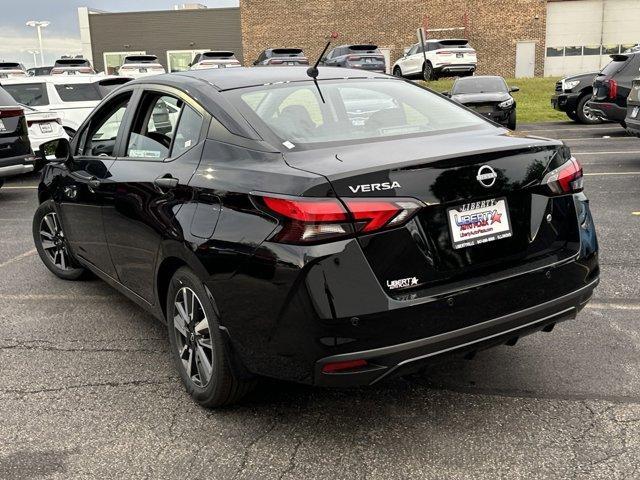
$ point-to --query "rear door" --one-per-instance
(159, 154)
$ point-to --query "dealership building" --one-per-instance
(520, 38)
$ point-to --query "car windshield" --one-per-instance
(479, 85)
(32, 94)
(352, 110)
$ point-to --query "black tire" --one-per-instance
(583, 117)
(428, 73)
(512, 122)
(397, 71)
(573, 116)
(204, 346)
(623, 124)
(51, 243)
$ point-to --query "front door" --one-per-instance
(161, 153)
(86, 187)
(525, 59)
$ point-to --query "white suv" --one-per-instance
(73, 97)
(449, 57)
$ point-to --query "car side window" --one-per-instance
(188, 131)
(98, 139)
(154, 127)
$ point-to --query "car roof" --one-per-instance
(242, 77)
(58, 79)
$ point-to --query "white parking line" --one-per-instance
(597, 138)
(596, 174)
(74, 298)
(26, 187)
(19, 257)
(612, 306)
(618, 152)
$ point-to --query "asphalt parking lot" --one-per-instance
(87, 388)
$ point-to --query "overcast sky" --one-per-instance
(63, 36)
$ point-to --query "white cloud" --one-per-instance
(14, 45)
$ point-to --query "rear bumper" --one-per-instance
(565, 102)
(608, 111)
(16, 165)
(633, 121)
(403, 358)
(455, 68)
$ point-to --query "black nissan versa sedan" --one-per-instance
(278, 237)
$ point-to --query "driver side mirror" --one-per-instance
(514, 89)
(58, 150)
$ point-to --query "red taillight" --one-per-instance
(613, 88)
(7, 112)
(567, 178)
(275, 62)
(336, 367)
(309, 220)
(353, 58)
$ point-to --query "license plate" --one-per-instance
(46, 128)
(459, 55)
(635, 112)
(291, 63)
(142, 70)
(479, 222)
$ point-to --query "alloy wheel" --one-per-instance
(53, 242)
(193, 337)
(587, 113)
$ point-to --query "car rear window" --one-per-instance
(459, 43)
(72, 62)
(10, 66)
(352, 111)
(218, 54)
(287, 52)
(364, 48)
(613, 67)
(6, 100)
(31, 94)
(141, 59)
(78, 92)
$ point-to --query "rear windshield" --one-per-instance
(78, 92)
(615, 65)
(10, 66)
(31, 94)
(218, 54)
(141, 59)
(479, 85)
(460, 43)
(353, 110)
(364, 48)
(72, 62)
(6, 100)
(286, 52)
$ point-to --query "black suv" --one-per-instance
(612, 87)
(364, 57)
(633, 109)
(281, 57)
(15, 150)
(572, 95)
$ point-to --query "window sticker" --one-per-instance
(144, 153)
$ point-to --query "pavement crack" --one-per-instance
(292, 459)
(246, 452)
(134, 383)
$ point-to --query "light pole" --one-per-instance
(39, 25)
(34, 53)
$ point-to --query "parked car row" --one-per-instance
(611, 95)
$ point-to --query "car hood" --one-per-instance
(583, 76)
(481, 97)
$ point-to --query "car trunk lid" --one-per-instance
(447, 173)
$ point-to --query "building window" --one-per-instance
(555, 51)
(180, 60)
(591, 50)
(610, 49)
(572, 51)
(114, 60)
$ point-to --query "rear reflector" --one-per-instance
(337, 367)
(308, 220)
(613, 89)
